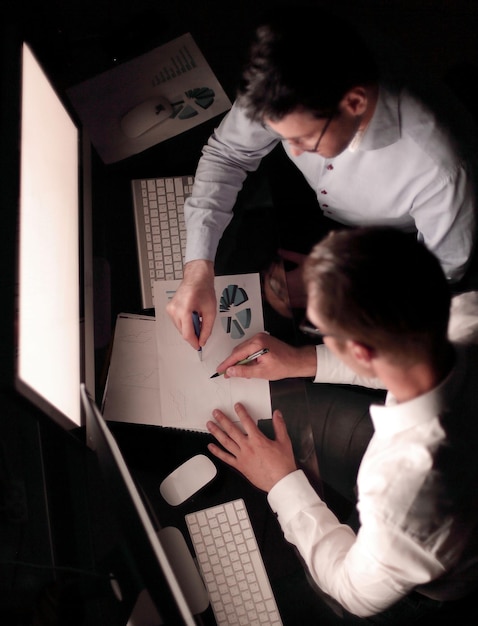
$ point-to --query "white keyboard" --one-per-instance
(160, 230)
(231, 565)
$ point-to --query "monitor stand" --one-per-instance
(144, 612)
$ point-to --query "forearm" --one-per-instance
(365, 573)
(445, 221)
(281, 360)
(234, 149)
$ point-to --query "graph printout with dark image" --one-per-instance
(55, 345)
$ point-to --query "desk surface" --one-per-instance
(151, 453)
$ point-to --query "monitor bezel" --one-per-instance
(85, 263)
(137, 528)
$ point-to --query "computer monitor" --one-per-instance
(55, 342)
(169, 575)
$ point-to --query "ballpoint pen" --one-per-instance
(197, 330)
(248, 359)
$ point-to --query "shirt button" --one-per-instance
(330, 166)
(325, 206)
(324, 192)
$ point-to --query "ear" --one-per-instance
(362, 353)
(355, 101)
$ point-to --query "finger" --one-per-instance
(221, 454)
(241, 351)
(228, 426)
(246, 420)
(239, 371)
(225, 439)
(280, 428)
(172, 312)
(187, 330)
(206, 327)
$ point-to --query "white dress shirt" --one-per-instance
(405, 171)
(417, 497)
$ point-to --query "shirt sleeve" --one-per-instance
(444, 216)
(234, 149)
(463, 324)
(330, 369)
(366, 573)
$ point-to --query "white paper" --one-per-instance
(188, 393)
(132, 390)
(174, 71)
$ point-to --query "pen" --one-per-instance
(197, 330)
(248, 359)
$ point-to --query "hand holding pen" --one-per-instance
(279, 360)
(248, 359)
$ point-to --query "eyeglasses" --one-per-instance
(298, 142)
(307, 328)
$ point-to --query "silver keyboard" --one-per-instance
(231, 565)
(160, 230)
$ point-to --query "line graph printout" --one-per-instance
(187, 393)
(132, 391)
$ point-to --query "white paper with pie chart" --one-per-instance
(188, 395)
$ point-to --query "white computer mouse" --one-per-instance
(187, 479)
(145, 116)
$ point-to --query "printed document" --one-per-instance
(184, 394)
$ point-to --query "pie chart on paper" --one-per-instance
(234, 312)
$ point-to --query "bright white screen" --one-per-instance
(49, 267)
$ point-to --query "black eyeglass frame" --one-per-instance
(321, 136)
(298, 144)
(306, 327)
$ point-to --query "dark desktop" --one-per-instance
(60, 552)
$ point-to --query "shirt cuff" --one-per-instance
(330, 369)
(291, 495)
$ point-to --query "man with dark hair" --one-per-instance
(373, 153)
(417, 541)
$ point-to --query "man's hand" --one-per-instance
(282, 360)
(196, 293)
(261, 460)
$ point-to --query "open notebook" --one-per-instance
(156, 378)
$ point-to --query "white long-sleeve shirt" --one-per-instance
(417, 496)
(405, 172)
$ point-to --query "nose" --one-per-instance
(295, 150)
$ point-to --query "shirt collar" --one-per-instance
(393, 418)
(384, 127)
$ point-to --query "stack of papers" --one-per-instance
(156, 378)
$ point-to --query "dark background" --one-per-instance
(44, 502)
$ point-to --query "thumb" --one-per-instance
(239, 371)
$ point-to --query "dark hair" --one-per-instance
(303, 58)
(381, 287)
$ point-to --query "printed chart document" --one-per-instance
(188, 394)
(151, 98)
(156, 378)
(132, 390)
